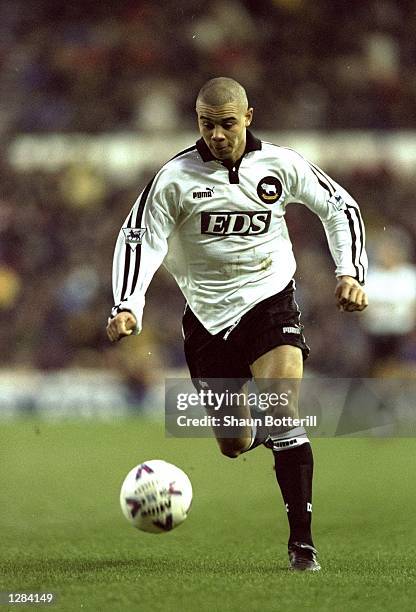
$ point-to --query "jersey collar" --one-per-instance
(252, 144)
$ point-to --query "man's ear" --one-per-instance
(249, 117)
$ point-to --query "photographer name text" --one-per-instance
(232, 421)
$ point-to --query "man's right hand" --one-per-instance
(121, 325)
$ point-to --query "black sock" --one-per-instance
(294, 471)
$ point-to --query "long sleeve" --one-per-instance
(141, 247)
(339, 213)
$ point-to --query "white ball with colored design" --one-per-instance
(156, 496)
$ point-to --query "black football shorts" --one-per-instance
(273, 322)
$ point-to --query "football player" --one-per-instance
(214, 215)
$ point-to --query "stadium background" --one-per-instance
(97, 95)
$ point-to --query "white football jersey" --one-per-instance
(221, 231)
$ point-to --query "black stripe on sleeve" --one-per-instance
(139, 218)
(331, 188)
(326, 186)
(356, 211)
(353, 240)
(324, 177)
(126, 262)
(360, 222)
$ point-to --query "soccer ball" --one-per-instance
(156, 496)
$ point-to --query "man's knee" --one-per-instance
(233, 447)
(231, 453)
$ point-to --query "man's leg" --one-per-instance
(216, 365)
(280, 370)
(233, 441)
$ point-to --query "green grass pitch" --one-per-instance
(61, 528)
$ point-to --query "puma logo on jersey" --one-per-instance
(235, 223)
(208, 193)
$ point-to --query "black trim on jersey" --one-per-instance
(327, 184)
(321, 179)
(233, 169)
(324, 177)
(252, 144)
(126, 263)
(360, 223)
(188, 150)
(139, 216)
(330, 186)
(356, 240)
(353, 241)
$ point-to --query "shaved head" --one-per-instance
(223, 118)
(222, 90)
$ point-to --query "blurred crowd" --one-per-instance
(130, 66)
(91, 66)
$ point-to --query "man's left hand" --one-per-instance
(350, 295)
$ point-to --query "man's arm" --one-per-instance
(344, 228)
(140, 249)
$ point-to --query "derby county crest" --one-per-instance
(133, 236)
(269, 189)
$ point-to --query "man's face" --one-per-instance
(223, 129)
